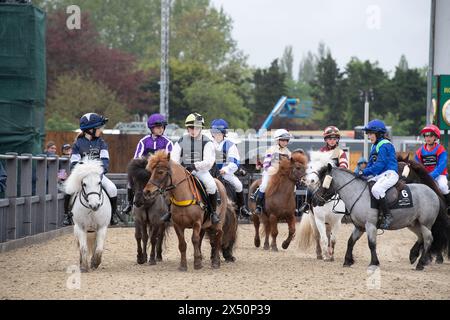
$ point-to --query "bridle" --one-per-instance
(337, 197)
(85, 196)
(161, 186)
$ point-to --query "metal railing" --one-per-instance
(32, 204)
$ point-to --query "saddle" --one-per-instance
(398, 196)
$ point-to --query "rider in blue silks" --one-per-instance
(382, 166)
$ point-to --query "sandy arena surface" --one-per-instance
(40, 272)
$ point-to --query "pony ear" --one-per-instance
(330, 166)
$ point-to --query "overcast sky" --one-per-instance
(378, 30)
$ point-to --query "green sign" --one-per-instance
(443, 101)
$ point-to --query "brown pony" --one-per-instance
(147, 214)
(170, 178)
(280, 200)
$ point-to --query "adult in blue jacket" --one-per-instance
(382, 166)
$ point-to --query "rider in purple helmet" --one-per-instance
(148, 145)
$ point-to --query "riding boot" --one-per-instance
(259, 203)
(241, 204)
(130, 195)
(447, 199)
(383, 205)
(67, 214)
(113, 211)
(213, 201)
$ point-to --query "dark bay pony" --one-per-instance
(414, 172)
(147, 213)
(280, 200)
(171, 179)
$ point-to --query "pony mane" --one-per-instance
(319, 159)
(423, 174)
(283, 171)
(137, 170)
(159, 158)
(84, 168)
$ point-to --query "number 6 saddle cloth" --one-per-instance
(399, 196)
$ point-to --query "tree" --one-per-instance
(217, 100)
(325, 91)
(287, 62)
(307, 69)
(75, 95)
(403, 64)
(270, 85)
(80, 51)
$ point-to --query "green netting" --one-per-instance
(22, 78)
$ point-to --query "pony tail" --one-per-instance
(440, 230)
(306, 232)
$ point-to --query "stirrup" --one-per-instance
(244, 212)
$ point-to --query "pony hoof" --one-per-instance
(230, 259)
(152, 262)
(158, 259)
(215, 265)
(420, 267)
(285, 245)
(198, 266)
(84, 270)
(257, 243)
(348, 263)
(182, 268)
(439, 260)
(141, 259)
(274, 249)
(319, 258)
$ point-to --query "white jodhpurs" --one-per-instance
(109, 187)
(442, 183)
(206, 178)
(235, 182)
(383, 182)
(264, 182)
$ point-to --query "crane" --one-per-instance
(287, 108)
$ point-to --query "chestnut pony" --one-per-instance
(280, 200)
(170, 178)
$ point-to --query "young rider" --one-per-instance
(90, 144)
(271, 161)
(228, 161)
(148, 145)
(382, 165)
(331, 136)
(197, 154)
(434, 157)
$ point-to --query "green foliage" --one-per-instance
(74, 96)
(287, 62)
(54, 123)
(270, 85)
(217, 100)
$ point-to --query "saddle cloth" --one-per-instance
(399, 196)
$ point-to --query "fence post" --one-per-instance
(52, 206)
(11, 194)
(24, 221)
(41, 186)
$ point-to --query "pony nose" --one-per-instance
(94, 207)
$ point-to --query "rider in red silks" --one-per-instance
(434, 158)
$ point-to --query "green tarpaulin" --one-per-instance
(22, 78)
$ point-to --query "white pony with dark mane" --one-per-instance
(321, 224)
(91, 211)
